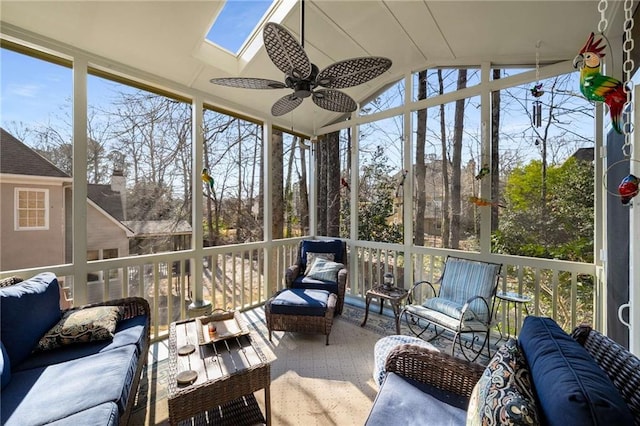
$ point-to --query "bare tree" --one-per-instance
(276, 187)
(333, 183)
(420, 171)
(456, 163)
(446, 204)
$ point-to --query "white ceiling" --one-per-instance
(165, 39)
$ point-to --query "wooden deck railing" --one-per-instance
(235, 277)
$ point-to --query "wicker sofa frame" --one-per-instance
(131, 307)
(459, 376)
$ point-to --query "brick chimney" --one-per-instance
(119, 183)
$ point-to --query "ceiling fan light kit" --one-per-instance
(304, 78)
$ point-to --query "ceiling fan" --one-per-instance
(304, 78)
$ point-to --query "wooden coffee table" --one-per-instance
(212, 379)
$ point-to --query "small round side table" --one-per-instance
(518, 301)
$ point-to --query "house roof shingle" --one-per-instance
(17, 158)
(108, 199)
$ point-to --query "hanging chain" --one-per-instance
(627, 67)
(602, 25)
(538, 62)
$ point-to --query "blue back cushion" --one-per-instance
(321, 246)
(571, 388)
(463, 279)
(29, 310)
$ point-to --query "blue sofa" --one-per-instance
(79, 382)
(545, 377)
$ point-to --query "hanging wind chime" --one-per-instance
(536, 92)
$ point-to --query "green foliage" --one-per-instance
(376, 205)
(559, 227)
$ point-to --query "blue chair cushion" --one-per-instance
(321, 246)
(303, 282)
(447, 307)
(29, 309)
(300, 302)
(571, 388)
(402, 401)
(45, 394)
(463, 279)
(5, 367)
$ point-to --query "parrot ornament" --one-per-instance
(481, 202)
(628, 188)
(536, 91)
(597, 87)
(344, 183)
(206, 178)
(484, 171)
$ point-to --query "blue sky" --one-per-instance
(236, 22)
(34, 92)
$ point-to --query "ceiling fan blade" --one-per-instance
(248, 83)
(334, 100)
(285, 104)
(285, 51)
(352, 72)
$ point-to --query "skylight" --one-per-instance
(236, 22)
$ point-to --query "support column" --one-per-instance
(79, 194)
(269, 261)
(198, 306)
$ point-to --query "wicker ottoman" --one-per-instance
(385, 345)
(301, 310)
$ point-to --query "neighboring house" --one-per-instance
(154, 236)
(32, 212)
(35, 212)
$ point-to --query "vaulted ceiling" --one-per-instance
(165, 40)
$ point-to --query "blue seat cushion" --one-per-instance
(403, 401)
(303, 282)
(300, 302)
(45, 394)
(102, 415)
(570, 386)
(128, 332)
(29, 309)
(321, 246)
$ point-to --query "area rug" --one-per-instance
(311, 383)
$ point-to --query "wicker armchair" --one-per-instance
(440, 373)
(295, 276)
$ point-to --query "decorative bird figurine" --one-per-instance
(597, 87)
(483, 203)
(536, 91)
(401, 183)
(206, 178)
(344, 183)
(484, 171)
(628, 188)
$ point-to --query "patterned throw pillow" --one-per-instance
(82, 325)
(311, 257)
(325, 270)
(6, 282)
(504, 393)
